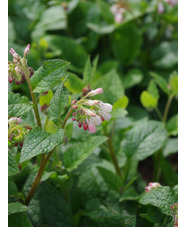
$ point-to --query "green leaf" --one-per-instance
(148, 100)
(121, 103)
(12, 191)
(45, 99)
(162, 198)
(101, 29)
(19, 219)
(161, 82)
(16, 208)
(132, 78)
(74, 83)
(154, 215)
(144, 139)
(53, 18)
(112, 86)
(39, 141)
(171, 147)
(118, 113)
(59, 102)
(58, 213)
(153, 90)
(49, 75)
(110, 178)
(12, 165)
(70, 50)
(18, 105)
(165, 55)
(76, 154)
(126, 48)
(87, 71)
(174, 83)
(172, 126)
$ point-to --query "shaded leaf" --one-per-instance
(12, 165)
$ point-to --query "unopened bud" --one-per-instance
(27, 49)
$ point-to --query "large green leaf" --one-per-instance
(49, 75)
(12, 165)
(17, 104)
(144, 139)
(126, 43)
(16, 208)
(49, 207)
(112, 86)
(39, 141)
(19, 220)
(59, 102)
(162, 198)
(80, 151)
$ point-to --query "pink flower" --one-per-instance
(171, 2)
(152, 186)
(27, 49)
(160, 8)
(95, 92)
(117, 11)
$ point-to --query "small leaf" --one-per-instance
(171, 147)
(105, 12)
(74, 83)
(87, 71)
(148, 100)
(18, 105)
(174, 83)
(39, 141)
(162, 198)
(172, 126)
(110, 178)
(129, 194)
(16, 208)
(59, 102)
(121, 103)
(133, 77)
(49, 75)
(153, 90)
(162, 83)
(144, 139)
(76, 154)
(12, 165)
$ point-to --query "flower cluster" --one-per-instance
(15, 72)
(16, 131)
(86, 90)
(90, 113)
(117, 10)
(174, 209)
(152, 186)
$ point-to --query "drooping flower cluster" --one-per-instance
(174, 209)
(16, 131)
(15, 72)
(90, 113)
(118, 10)
(152, 186)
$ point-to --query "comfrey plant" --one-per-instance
(87, 112)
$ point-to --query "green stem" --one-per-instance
(113, 156)
(26, 73)
(126, 171)
(157, 165)
(159, 114)
(167, 107)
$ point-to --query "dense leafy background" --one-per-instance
(135, 62)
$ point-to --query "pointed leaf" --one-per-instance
(59, 102)
(12, 165)
(39, 141)
(49, 75)
(16, 208)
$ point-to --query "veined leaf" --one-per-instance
(16, 208)
(12, 165)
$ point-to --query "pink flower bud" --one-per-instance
(73, 119)
(152, 186)
(26, 51)
(95, 92)
(74, 101)
(79, 125)
(85, 126)
(74, 107)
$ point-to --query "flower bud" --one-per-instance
(95, 92)
(152, 186)
(27, 49)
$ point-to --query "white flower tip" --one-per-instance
(95, 92)
(27, 49)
